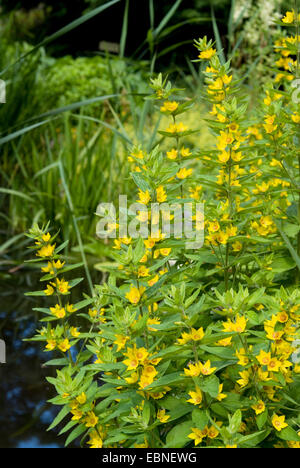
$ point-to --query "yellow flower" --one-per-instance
(135, 356)
(91, 419)
(196, 397)
(289, 17)
(49, 291)
(264, 358)
(153, 280)
(70, 308)
(143, 271)
(153, 321)
(206, 369)
(120, 341)
(51, 344)
(213, 226)
(194, 370)
(185, 152)
(197, 335)
(238, 326)
(165, 252)
(278, 422)
(133, 295)
(48, 269)
(161, 416)
(231, 231)
(184, 173)
(225, 341)
(274, 365)
(95, 440)
(282, 317)
(145, 380)
(58, 311)
(150, 243)
(196, 435)
(212, 431)
(46, 251)
(242, 357)
(46, 237)
(185, 338)
(207, 54)
(169, 106)
(177, 128)
(244, 378)
(144, 197)
(224, 157)
(172, 154)
(58, 264)
(64, 345)
(237, 246)
(262, 375)
(93, 313)
(81, 398)
(77, 414)
(161, 195)
(133, 378)
(138, 154)
(259, 407)
(221, 395)
(62, 286)
(74, 332)
(296, 118)
(222, 237)
(224, 139)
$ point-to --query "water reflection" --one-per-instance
(24, 391)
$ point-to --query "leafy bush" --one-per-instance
(193, 347)
(72, 80)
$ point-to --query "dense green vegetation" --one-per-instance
(78, 103)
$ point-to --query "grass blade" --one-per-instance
(124, 30)
(217, 36)
(166, 18)
(18, 133)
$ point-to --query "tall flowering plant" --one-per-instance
(188, 347)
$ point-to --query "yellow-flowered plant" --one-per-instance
(184, 348)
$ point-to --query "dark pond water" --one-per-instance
(24, 391)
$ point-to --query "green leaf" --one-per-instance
(291, 229)
(261, 419)
(178, 436)
(15, 192)
(140, 181)
(61, 415)
(252, 440)
(18, 133)
(288, 433)
(235, 422)
(210, 385)
(138, 251)
(82, 304)
(168, 379)
(200, 418)
(217, 36)
(75, 433)
(219, 409)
